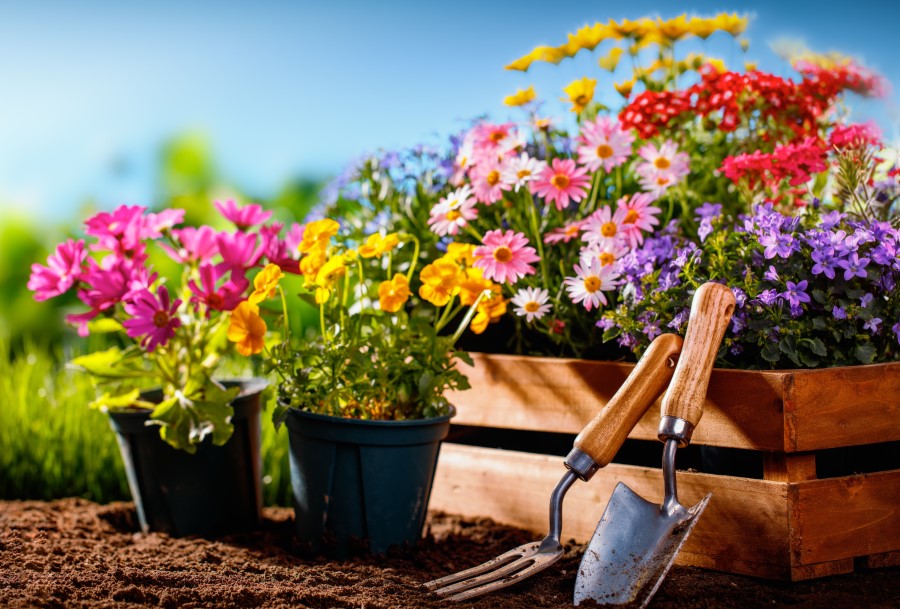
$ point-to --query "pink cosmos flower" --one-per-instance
(566, 233)
(153, 317)
(560, 182)
(453, 212)
(656, 184)
(63, 270)
(155, 224)
(640, 216)
(197, 244)
(487, 180)
(242, 217)
(119, 231)
(606, 253)
(277, 250)
(606, 144)
(224, 298)
(590, 282)
(662, 167)
(520, 170)
(505, 257)
(295, 236)
(603, 227)
(239, 252)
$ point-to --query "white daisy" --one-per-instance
(590, 283)
(532, 303)
(522, 169)
(606, 252)
(604, 226)
(453, 212)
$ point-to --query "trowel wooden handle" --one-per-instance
(604, 435)
(711, 312)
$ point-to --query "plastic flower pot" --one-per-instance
(361, 485)
(214, 491)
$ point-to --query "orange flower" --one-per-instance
(490, 310)
(393, 294)
(473, 285)
(376, 245)
(460, 252)
(440, 282)
(265, 282)
(247, 329)
(317, 234)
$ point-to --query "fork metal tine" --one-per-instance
(538, 563)
(495, 563)
(486, 578)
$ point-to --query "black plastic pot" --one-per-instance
(361, 485)
(214, 491)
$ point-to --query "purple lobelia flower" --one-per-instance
(839, 313)
(778, 244)
(768, 297)
(872, 325)
(825, 261)
(771, 274)
(896, 330)
(830, 220)
(854, 266)
(679, 320)
(708, 211)
(796, 293)
(865, 299)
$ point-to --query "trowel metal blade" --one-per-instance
(632, 549)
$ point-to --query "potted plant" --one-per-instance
(190, 441)
(364, 394)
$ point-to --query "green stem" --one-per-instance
(449, 313)
(537, 236)
(284, 313)
(468, 318)
(414, 262)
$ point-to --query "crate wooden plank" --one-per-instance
(841, 518)
(787, 411)
(744, 528)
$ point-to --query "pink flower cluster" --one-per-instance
(117, 280)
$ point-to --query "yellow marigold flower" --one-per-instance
(520, 97)
(330, 271)
(650, 38)
(265, 283)
(440, 281)
(377, 246)
(490, 310)
(543, 124)
(310, 265)
(473, 285)
(749, 66)
(587, 37)
(611, 60)
(639, 28)
(674, 29)
(580, 93)
(460, 252)
(541, 53)
(247, 329)
(702, 27)
(394, 293)
(624, 88)
(317, 234)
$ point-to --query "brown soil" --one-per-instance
(73, 553)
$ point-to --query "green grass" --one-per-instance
(52, 445)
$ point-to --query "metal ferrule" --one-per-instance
(673, 428)
(581, 464)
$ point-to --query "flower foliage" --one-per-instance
(175, 335)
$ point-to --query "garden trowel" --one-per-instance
(636, 540)
(595, 447)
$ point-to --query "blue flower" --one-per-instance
(708, 211)
(839, 313)
(796, 293)
(769, 297)
(771, 274)
(778, 244)
(896, 329)
(854, 266)
(866, 299)
(872, 325)
(824, 261)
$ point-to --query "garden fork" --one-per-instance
(595, 447)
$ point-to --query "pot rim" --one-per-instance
(369, 422)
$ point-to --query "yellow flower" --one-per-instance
(393, 294)
(624, 88)
(749, 66)
(460, 252)
(317, 234)
(587, 37)
(247, 329)
(310, 265)
(542, 53)
(701, 27)
(674, 29)
(611, 60)
(734, 24)
(473, 285)
(376, 245)
(440, 281)
(520, 97)
(580, 93)
(330, 271)
(542, 124)
(265, 282)
(638, 28)
(490, 310)
(717, 64)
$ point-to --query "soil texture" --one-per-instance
(74, 553)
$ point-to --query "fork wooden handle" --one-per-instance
(604, 435)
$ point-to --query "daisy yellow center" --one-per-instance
(592, 284)
(606, 258)
(497, 136)
(493, 177)
(604, 151)
(453, 215)
(609, 229)
(662, 163)
(560, 181)
(503, 254)
(571, 231)
(662, 181)
(523, 174)
(160, 319)
(531, 307)
(630, 217)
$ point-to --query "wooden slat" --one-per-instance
(744, 528)
(841, 518)
(781, 467)
(785, 411)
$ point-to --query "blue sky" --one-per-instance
(300, 88)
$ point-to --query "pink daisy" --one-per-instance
(242, 217)
(604, 227)
(606, 144)
(657, 184)
(590, 282)
(196, 244)
(239, 251)
(487, 181)
(606, 253)
(640, 216)
(453, 212)
(520, 170)
(560, 182)
(119, 231)
(224, 298)
(662, 167)
(155, 224)
(153, 318)
(505, 257)
(63, 270)
(564, 234)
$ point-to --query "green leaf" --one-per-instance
(112, 363)
(113, 402)
(770, 352)
(865, 353)
(816, 346)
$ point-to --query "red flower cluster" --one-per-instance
(795, 162)
(652, 110)
(854, 135)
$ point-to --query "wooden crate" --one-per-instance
(789, 525)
